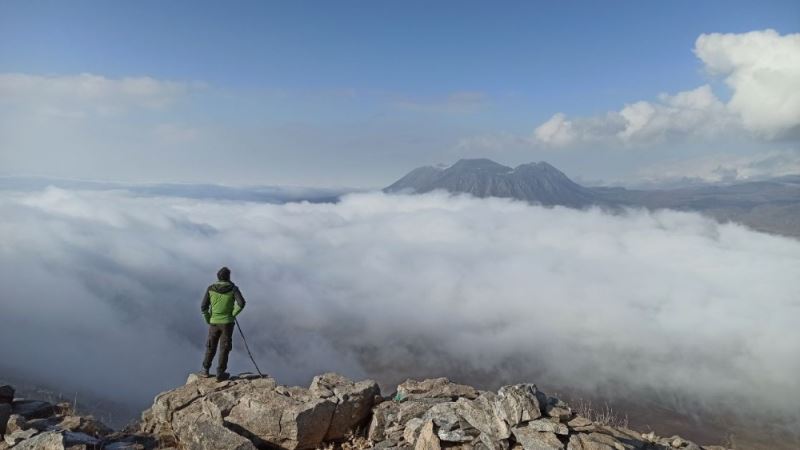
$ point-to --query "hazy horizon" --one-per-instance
(145, 144)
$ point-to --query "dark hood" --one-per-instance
(221, 287)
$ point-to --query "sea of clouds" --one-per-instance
(101, 292)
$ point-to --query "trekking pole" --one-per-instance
(247, 347)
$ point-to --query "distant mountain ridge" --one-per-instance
(771, 206)
(535, 182)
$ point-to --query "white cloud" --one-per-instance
(762, 68)
(397, 286)
(75, 96)
(725, 168)
(556, 131)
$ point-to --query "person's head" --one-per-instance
(224, 274)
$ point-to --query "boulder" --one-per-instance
(252, 412)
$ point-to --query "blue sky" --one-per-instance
(365, 89)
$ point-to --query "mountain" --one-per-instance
(534, 182)
(249, 412)
(771, 206)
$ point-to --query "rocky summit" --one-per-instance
(250, 412)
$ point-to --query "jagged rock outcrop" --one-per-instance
(39, 425)
(248, 412)
(244, 412)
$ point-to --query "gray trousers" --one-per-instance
(221, 335)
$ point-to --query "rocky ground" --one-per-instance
(250, 412)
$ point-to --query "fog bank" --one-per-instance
(101, 291)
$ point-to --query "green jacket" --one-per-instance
(222, 303)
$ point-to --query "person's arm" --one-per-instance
(205, 306)
(239, 306)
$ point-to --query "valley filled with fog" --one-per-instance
(670, 305)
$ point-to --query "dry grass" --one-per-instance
(604, 415)
(355, 440)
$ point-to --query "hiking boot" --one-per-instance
(204, 373)
(222, 376)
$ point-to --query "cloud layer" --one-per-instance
(762, 69)
(102, 290)
(78, 96)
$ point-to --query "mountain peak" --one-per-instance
(537, 182)
(479, 164)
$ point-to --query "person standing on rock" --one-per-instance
(221, 304)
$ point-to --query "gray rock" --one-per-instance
(518, 403)
(381, 417)
(544, 425)
(18, 436)
(451, 426)
(531, 439)
(488, 443)
(412, 430)
(579, 421)
(15, 422)
(248, 413)
(353, 402)
(435, 388)
(598, 441)
(559, 412)
(427, 439)
(481, 414)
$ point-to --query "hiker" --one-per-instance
(221, 304)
